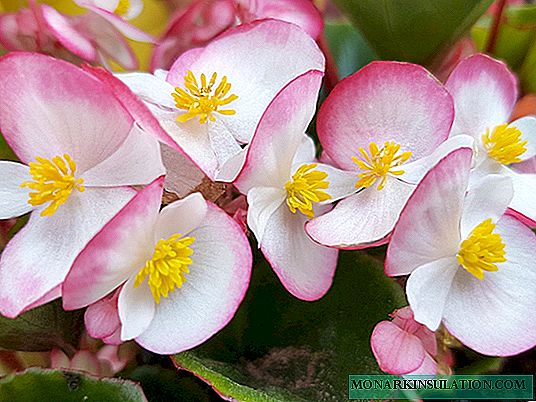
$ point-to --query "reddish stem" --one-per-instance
(494, 32)
(332, 72)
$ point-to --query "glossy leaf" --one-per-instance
(278, 348)
(412, 30)
(66, 386)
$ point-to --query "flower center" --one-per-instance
(122, 7)
(305, 188)
(379, 162)
(203, 100)
(482, 250)
(53, 181)
(167, 267)
(504, 144)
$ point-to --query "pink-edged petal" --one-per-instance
(428, 366)
(363, 219)
(44, 250)
(484, 92)
(527, 166)
(494, 316)
(385, 101)
(415, 171)
(66, 33)
(306, 151)
(524, 190)
(341, 182)
(120, 249)
(280, 133)
(149, 88)
(181, 217)
(488, 198)
(283, 51)
(305, 268)
(49, 107)
(262, 203)
(127, 29)
(137, 161)
(114, 339)
(428, 289)
(101, 318)
(214, 288)
(527, 126)
(300, 12)
(13, 198)
(182, 175)
(136, 307)
(428, 228)
(397, 351)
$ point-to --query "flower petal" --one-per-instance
(280, 133)
(385, 101)
(45, 249)
(149, 88)
(341, 182)
(488, 198)
(438, 198)
(13, 198)
(397, 351)
(127, 29)
(137, 161)
(484, 92)
(119, 250)
(182, 175)
(49, 107)
(262, 203)
(136, 308)
(527, 126)
(305, 268)
(494, 316)
(101, 318)
(181, 216)
(258, 59)
(214, 288)
(428, 289)
(524, 190)
(363, 219)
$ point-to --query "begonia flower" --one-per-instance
(471, 267)
(403, 346)
(203, 20)
(485, 93)
(386, 125)
(182, 272)
(212, 99)
(80, 152)
(285, 187)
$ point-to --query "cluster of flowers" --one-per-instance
(437, 171)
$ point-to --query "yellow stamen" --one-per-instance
(122, 7)
(305, 188)
(379, 163)
(167, 267)
(202, 100)
(482, 250)
(504, 144)
(53, 181)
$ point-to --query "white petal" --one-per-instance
(527, 126)
(524, 191)
(341, 182)
(13, 198)
(136, 308)
(181, 217)
(150, 88)
(182, 175)
(428, 288)
(262, 203)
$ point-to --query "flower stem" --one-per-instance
(494, 31)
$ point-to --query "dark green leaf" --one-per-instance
(279, 348)
(42, 329)
(349, 48)
(412, 30)
(66, 386)
(5, 151)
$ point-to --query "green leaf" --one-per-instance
(5, 151)
(41, 329)
(66, 386)
(412, 30)
(278, 348)
(349, 48)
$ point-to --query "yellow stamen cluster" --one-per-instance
(167, 267)
(305, 188)
(53, 181)
(482, 250)
(122, 7)
(379, 162)
(203, 100)
(504, 144)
